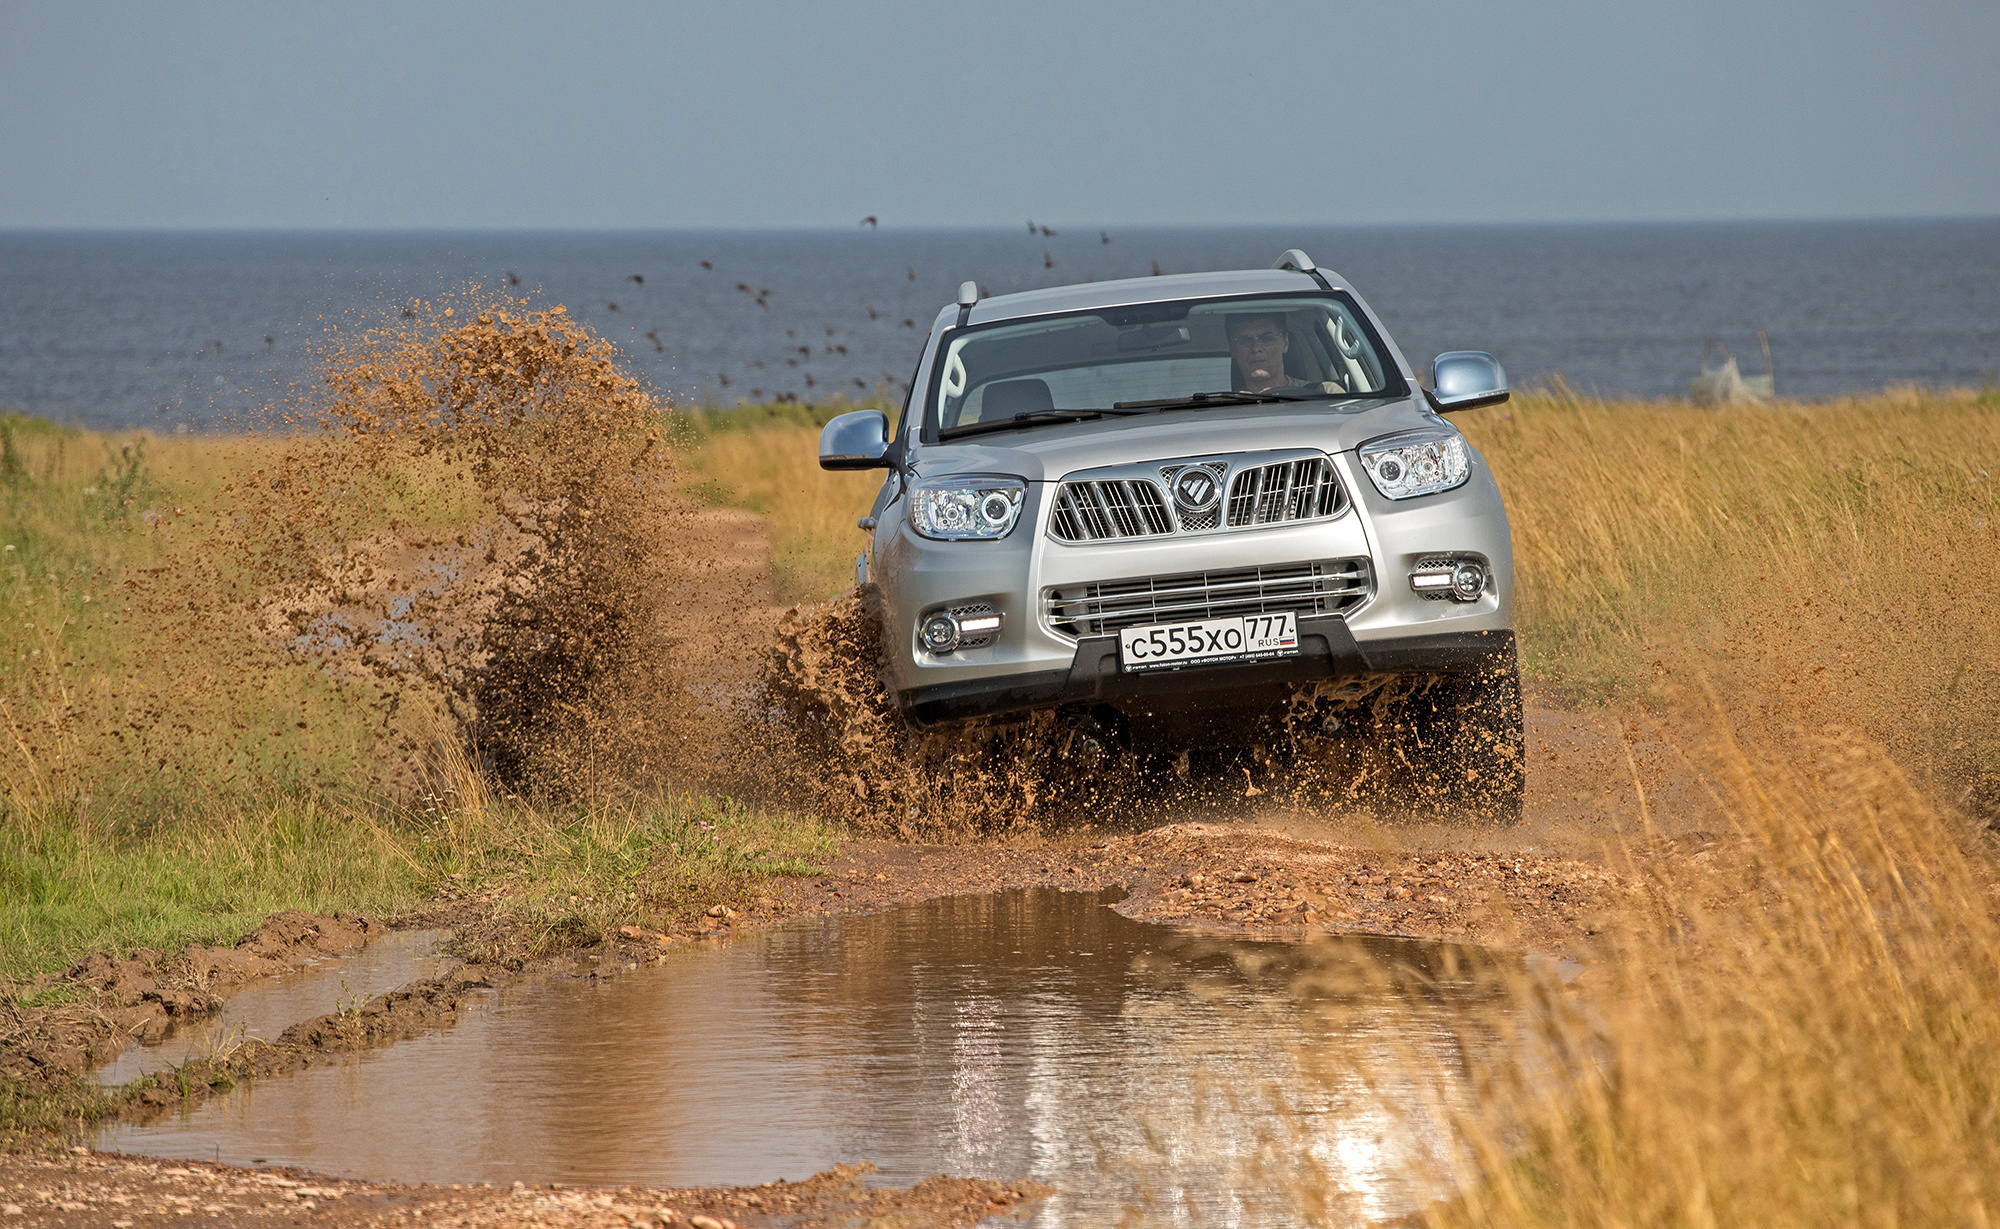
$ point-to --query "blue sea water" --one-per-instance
(166, 330)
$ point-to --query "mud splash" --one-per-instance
(1358, 747)
(459, 531)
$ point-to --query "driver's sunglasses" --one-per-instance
(1266, 338)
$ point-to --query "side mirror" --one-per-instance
(859, 440)
(1466, 380)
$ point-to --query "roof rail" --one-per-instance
(1299, 262)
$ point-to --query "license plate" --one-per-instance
(1163, 646)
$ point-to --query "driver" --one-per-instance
(1258, 344)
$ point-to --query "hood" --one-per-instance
(1052, 452)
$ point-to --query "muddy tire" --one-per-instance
(1466, 743)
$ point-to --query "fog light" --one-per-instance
(1449, 577)
(939, 633)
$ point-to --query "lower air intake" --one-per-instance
(1101, 608)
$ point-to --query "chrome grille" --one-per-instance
(1103, 607)
(1302, 490)
(1091, 511)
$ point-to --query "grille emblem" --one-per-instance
(1196, 490)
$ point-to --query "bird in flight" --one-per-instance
(610, 306)
(1031, 226)
(1156, 268)
(513, 278)
(636, 280)
(1048, 261)
(870, 221)
(653, 335)
(913, 272)
(1048, 233)
(1104, 236)
(708, 264)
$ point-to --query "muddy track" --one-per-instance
(1235, 878)
(105, 1003)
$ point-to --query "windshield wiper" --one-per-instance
(1020, 420)
(1198, 400)
(1195, 401)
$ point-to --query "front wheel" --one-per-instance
(1466, 734)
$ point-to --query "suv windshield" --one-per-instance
(1189, 354)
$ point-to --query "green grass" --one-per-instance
(572, 878)
(69, 887)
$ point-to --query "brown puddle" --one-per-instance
(265, 1009)
(1029, 1033)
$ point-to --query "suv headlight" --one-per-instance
(978, 506)
(1416, 463)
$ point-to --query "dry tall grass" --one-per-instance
(1800, 1028)
(1822, 558)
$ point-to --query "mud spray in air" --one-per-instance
(466, 530)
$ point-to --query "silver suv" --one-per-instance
(1193, 511)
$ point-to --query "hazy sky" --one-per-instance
(933, 113)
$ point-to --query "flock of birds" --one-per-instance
(798, 354)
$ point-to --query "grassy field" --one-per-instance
(1799, 1029)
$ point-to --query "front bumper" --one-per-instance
(1327, 650)
(1035, 661)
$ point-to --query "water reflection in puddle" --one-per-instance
(267, 1008)
(1026, 1033)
